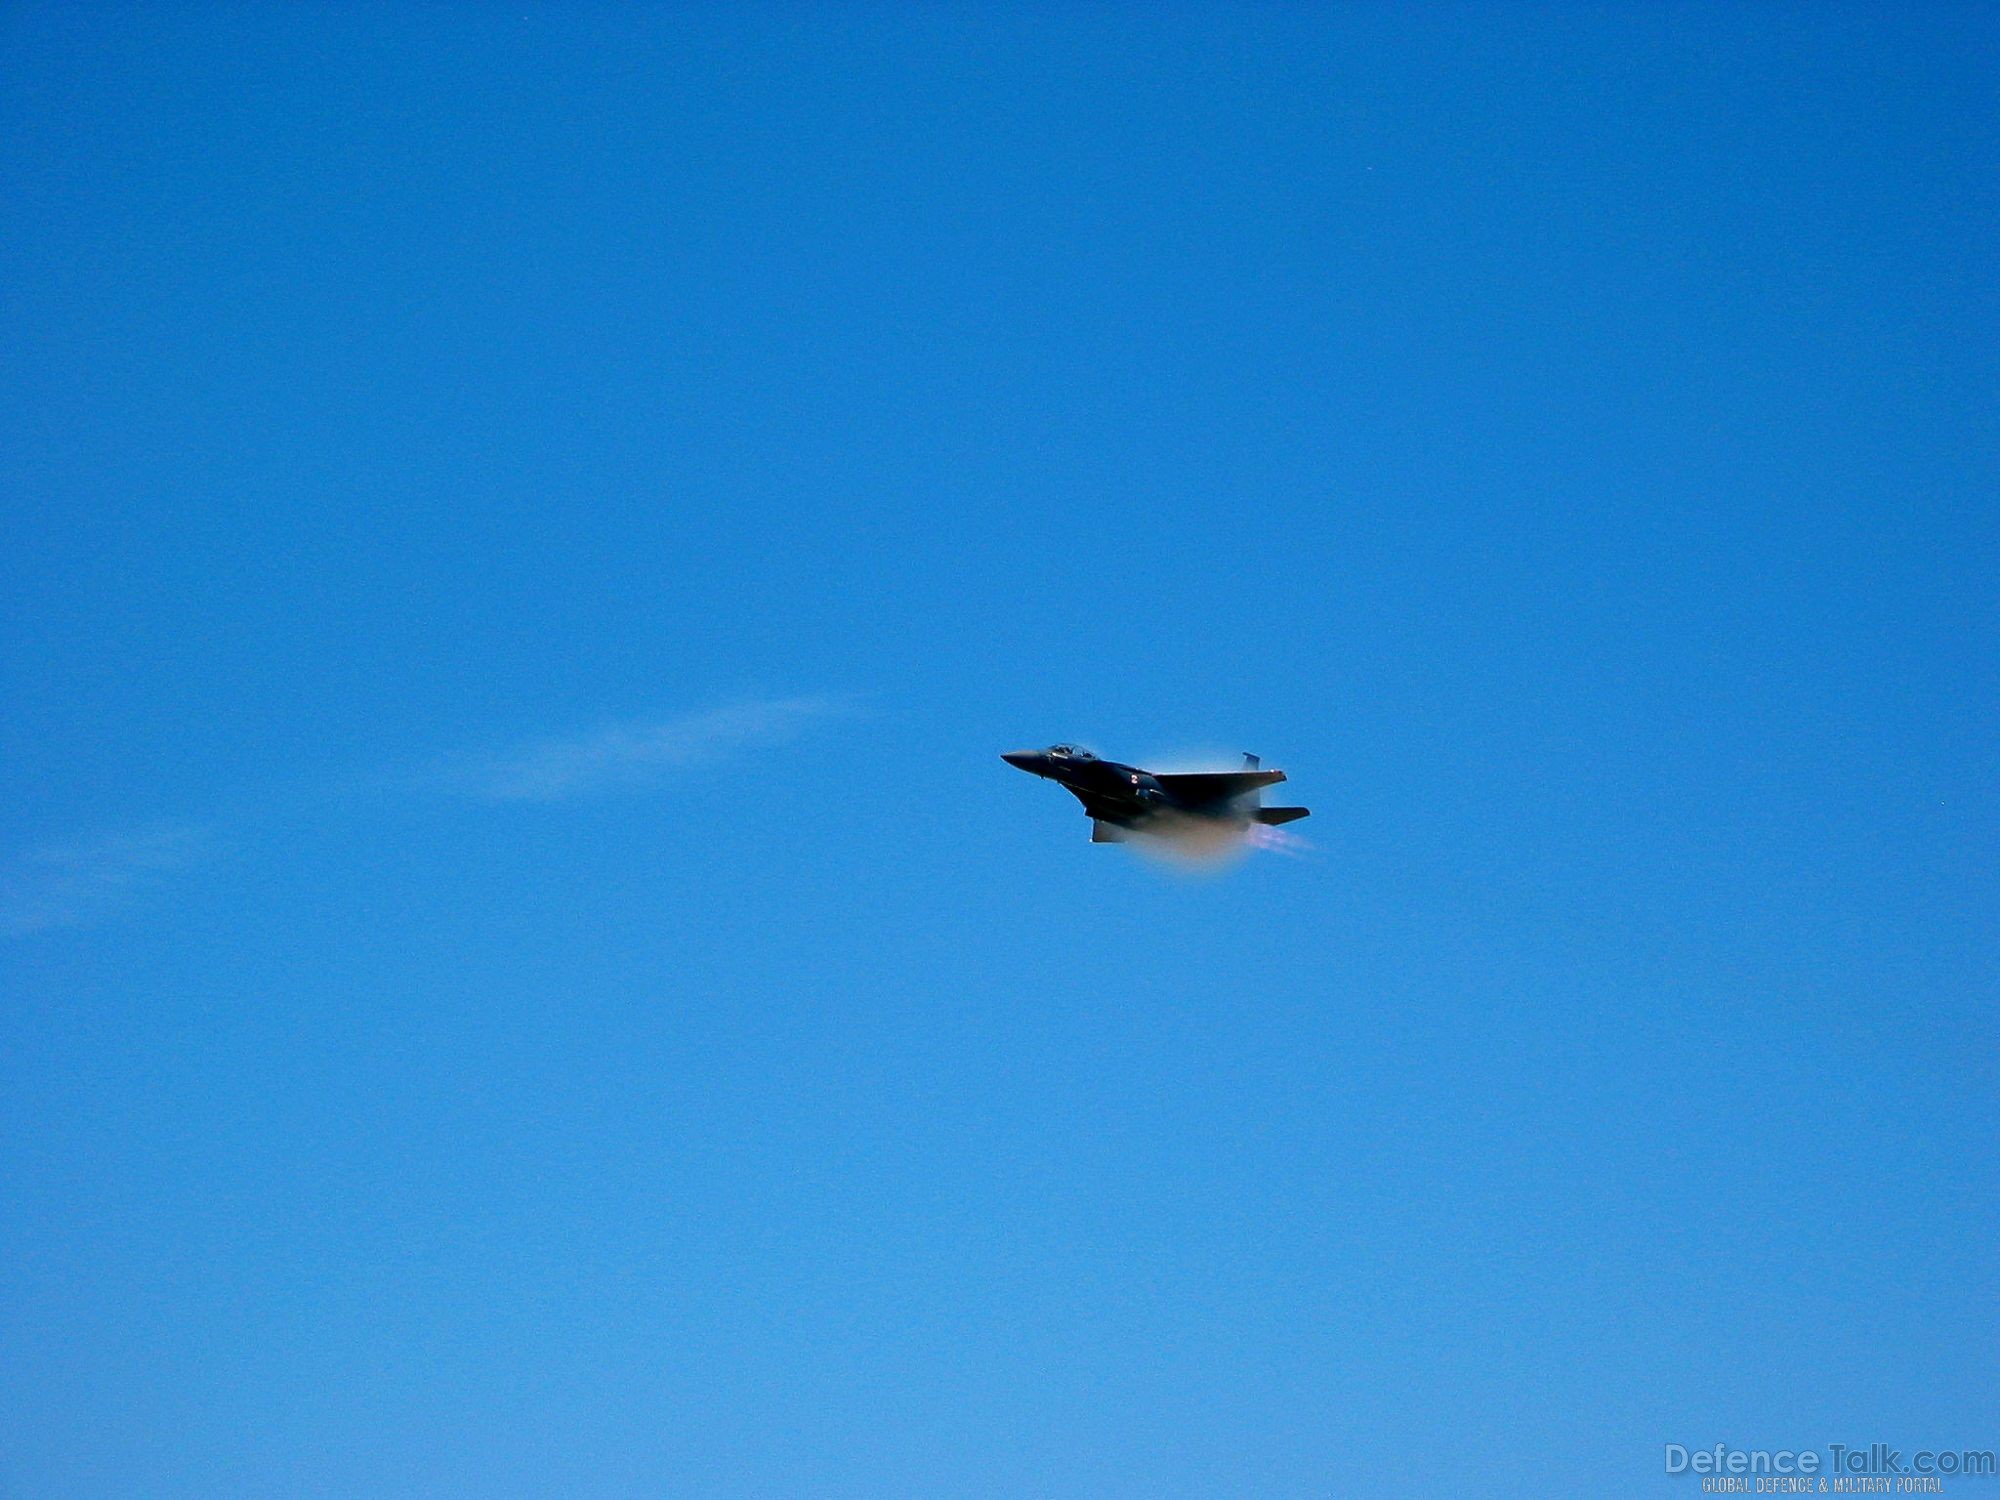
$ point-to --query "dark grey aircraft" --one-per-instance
(1123, 800)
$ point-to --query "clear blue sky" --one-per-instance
(526, 534)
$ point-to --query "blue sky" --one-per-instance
(526, 534)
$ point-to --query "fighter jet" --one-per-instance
(1123, 800)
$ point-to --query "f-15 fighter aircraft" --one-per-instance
(1123, 800)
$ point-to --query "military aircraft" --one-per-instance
(1123, 800)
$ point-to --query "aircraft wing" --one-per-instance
(1097, 807)
(1199, 788)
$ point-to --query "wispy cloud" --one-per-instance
(81, 883)
(73, 885)
(624, 756)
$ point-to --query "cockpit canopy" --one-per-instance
(1070, 752)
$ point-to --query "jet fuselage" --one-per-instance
(1118, 796)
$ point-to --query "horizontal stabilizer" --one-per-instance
(1102, 832)
(1281, 814)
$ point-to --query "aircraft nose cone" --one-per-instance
(1021, 760)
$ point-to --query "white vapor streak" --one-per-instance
(629, 755)
(1278, 841)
